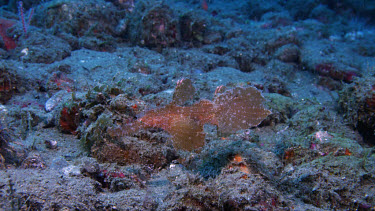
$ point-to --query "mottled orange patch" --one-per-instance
(240, 163)
(347, 152)
(237, 158)
(289, 154)
(244, 169)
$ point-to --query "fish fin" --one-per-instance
(187, 134)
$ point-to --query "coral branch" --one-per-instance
(25, 25)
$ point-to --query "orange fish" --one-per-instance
(235, 109)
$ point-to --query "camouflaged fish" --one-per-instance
(231, 110)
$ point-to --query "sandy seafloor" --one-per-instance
(84, 67)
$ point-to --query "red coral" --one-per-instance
(69, 120)
(61, 81)
(370, 101)
(8, 85)
(5, 24)
(113, 174)
(330, 70)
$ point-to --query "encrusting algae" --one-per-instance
(231, 110)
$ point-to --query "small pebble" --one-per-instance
(50, 144)
(71, 171)
(54, 100)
